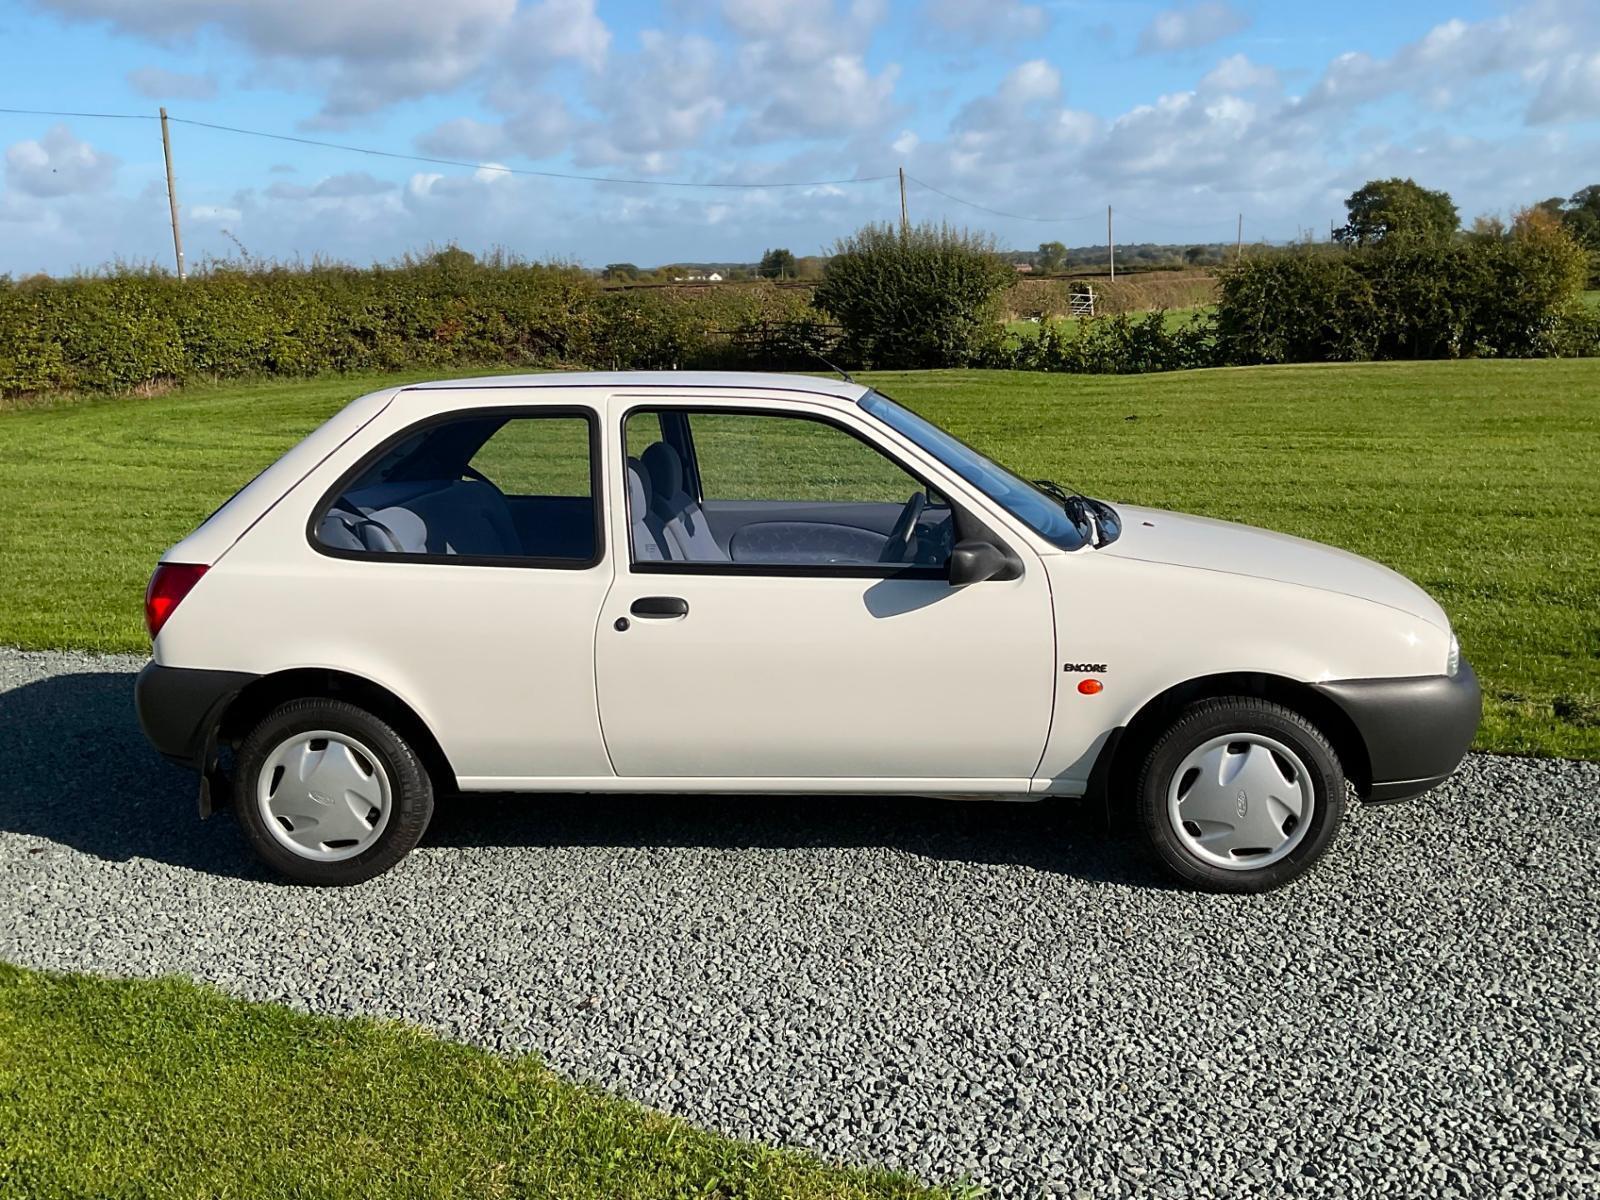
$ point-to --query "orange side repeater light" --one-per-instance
(1091, 687)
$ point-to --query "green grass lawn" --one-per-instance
(118, 1088)
(1476, 479)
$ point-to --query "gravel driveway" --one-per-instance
(995, 990)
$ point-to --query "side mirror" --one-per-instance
(974, 561)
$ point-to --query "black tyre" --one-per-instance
(1239, 795)
(329, 794)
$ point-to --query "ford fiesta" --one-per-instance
(766, 584)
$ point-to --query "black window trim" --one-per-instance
(689, 406)
(528, 562)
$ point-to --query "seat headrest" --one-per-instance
(663, 469)
(638, 489)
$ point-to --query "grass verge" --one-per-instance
(1476, 479)
(114, 1088)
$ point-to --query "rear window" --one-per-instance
(493, 486)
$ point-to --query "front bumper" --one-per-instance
(1416, 730)
(179, 708)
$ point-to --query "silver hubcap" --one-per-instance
(323, 795)
(1241, 801)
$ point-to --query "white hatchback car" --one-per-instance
(766, 584)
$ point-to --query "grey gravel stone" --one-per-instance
(994, 991)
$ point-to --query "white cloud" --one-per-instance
(800, 68)
(374, 51)
(666, 97)
(1545, 47)
(463, 138)
(988, 20)
(553, 30)
(158, 84)
(1189, 26)
(58, 164)
(1569, 90)
(1238, 74)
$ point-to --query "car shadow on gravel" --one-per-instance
(76, 770)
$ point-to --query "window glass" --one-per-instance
(756, 456)
(483, 486)
(760, 490)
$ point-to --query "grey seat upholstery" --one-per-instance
(429, 517)
(645, 527)
(688, 536)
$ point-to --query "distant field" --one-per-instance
(1592, 298)
(1173, 319)
(1477, 479)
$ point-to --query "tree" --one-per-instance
(922, 298)
(1399, 210)
(1052, 257)
(1193, 255)
(777, 264)
(620, 271)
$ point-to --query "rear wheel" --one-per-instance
(329, 794)
(1240, 795)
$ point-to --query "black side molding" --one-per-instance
(1416, 730)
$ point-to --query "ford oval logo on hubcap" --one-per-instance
(1244, 804)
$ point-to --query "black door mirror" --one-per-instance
(973, 561)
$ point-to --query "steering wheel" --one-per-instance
(905, 528)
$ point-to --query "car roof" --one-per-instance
(835, 389)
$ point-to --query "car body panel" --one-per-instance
(229, 523)
(1178, 539)
(772, 683)
(1154, 625)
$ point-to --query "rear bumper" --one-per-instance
(1416, 730)
(179, 708)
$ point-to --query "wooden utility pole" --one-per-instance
(1238, 244)
(1111, 244)
(172, 195)
(905, 220)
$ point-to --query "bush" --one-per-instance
(1494, 292)
(1304, 305)
(925, 297)
(1115, 345)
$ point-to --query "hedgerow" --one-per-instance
(140, 329)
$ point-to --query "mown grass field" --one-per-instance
(1480, 480)
(165, 1088)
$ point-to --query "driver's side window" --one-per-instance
(763, 489)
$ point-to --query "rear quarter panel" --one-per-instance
(496, 660)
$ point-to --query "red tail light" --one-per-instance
(168, 586)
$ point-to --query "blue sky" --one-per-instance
(1180, 115)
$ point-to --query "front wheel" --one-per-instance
(329, 794)
(1240, 795)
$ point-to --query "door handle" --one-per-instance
(660, 606)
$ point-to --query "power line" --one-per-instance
(482, 166)
(50, 112)
(1000, 212)
(457, 162)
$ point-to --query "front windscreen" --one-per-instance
(1021, 499)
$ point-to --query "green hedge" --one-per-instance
(130, 331)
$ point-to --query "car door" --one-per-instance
(721, 657)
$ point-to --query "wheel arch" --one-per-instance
(256, 699)
(1113, 772)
